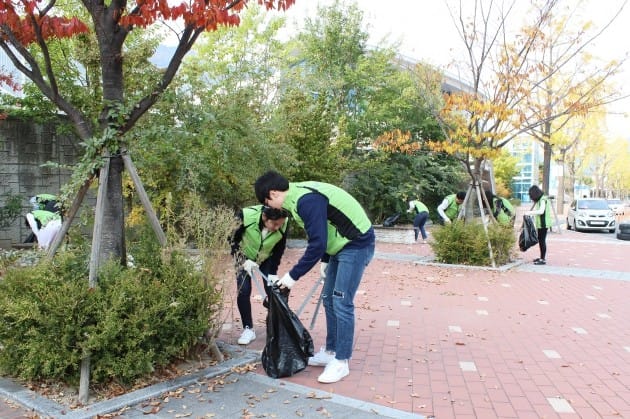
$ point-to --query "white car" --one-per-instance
(590, 214)
(617, 206)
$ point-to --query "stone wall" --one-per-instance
(396, 234)
(24, 147)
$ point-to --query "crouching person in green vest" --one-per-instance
(340, 235)
(502, 209)
(449, 208)
(260, 240)
(420, 218)
(45, 209)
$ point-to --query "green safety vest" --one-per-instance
(45, 216)
(506, 215)
(547, 214)
(346, 217)
(420, 207)
(253, 246)
(452, 211)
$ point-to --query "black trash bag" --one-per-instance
(391, 220)
(289, 344)
(529, 234)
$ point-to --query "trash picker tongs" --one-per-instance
(319, 282)
(261, 290)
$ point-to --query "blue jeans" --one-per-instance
(418, 224)
(343, 276)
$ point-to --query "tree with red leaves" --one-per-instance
(27, 30)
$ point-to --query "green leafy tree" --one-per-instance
(332, 92)
(529, 81)
(338, 96)
(29, 33)
(211, 131)
(386, 184)
(505, 169)
(618, 179)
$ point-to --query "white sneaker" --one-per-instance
(321, 358)
(334, 371)
(247, 336)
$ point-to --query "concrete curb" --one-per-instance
(353, 404)
(49, 408)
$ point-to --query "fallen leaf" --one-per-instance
(151, 411)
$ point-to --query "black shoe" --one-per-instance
(540, 262)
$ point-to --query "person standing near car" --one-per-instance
(260, 239)
(541, 211)
(341, 236)
(420, 219)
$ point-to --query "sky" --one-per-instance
(426, 32)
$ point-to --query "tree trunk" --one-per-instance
(560, 195)
(546, 167)
(561, 188)
(113, 233)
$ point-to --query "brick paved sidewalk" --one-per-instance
(532, 341)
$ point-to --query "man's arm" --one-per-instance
(441, 208)
(313, 209)
(539, 208)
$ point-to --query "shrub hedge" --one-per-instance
(466, 243)
(135, 319)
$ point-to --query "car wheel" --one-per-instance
(568, 225)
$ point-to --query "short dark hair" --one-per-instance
(270, 181)
(461, 195)
(274, 213)
(535, 193)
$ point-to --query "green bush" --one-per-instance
(466, 243)
(134, 321)
(11, 209)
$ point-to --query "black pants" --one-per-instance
(244, 290)
(243, 298)
(542, 242)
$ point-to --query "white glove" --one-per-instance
(409, 210)
(447, 220)
(272, 279)
(285, 282)
(248, 265)
(322, 269)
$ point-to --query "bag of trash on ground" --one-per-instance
(289, 344)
